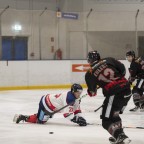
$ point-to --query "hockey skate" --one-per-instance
(142, 107)
(17, 118)
(134, 109)
(122, 139)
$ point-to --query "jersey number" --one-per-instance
(104, 76)
(70, 109)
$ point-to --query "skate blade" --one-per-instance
(141, 110)
(112, 140)
(126, 141)
(134, 110)
(15, 117)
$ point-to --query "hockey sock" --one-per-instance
(115, 129)
(32, 119)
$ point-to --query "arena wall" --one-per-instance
(41, 74)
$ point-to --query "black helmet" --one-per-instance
(93, 56)
(130, 53)
(76, 87)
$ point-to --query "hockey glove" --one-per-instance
(91, 93)
(131, 80)
(79, 120)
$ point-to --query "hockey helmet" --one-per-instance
(130, 53)
(93, 56)
(76, 88)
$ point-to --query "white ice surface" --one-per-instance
(65, 132)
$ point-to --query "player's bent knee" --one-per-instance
(106, 123)
(44, 120)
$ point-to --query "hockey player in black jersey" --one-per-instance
(136, 73)
(109, 74)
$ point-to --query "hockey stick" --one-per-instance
(133, 127)
(66, 105)
(101, 105)
(98, 108)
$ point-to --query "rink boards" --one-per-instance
(20, 75)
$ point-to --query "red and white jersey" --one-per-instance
(53, 102)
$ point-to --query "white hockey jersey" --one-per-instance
(53, 102)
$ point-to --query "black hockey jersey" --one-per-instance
(137, 68)
(107, 74)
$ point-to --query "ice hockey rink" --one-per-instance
(64, 132)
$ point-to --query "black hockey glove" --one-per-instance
(131, 80)
(79, 120)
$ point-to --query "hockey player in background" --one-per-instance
(53, 102)
(136, 73)
(109, 74)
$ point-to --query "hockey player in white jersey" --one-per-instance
(51, 103)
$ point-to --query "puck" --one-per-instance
(51, 132)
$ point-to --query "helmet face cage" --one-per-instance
(93, 56)
(76, 88)
(130, 53)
